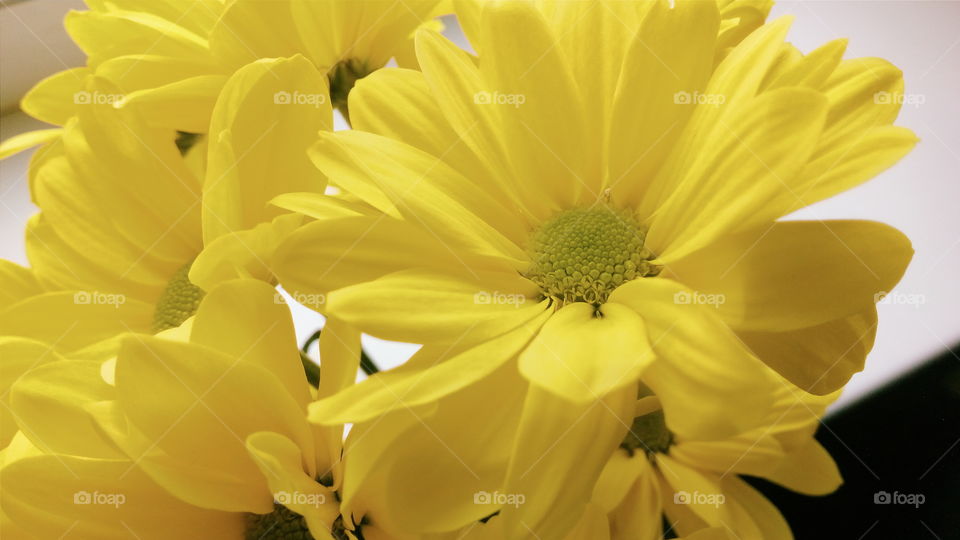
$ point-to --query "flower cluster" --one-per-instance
(578, 219)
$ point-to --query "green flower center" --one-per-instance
(582, 255)
(649, 434)
(281, 524)
(178, 302)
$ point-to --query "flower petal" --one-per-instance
(54, 99)
(797, 274)
(248, 320)
(735, 176)
(404, 388)
(697, 355)
(266, 117)
(426, 307)
(582, 355)
(281, 462)
(175, 392)
(561, 447)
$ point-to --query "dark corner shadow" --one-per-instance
(898, 450)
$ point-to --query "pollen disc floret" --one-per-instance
(582, 255)
(178, 302)
(281, 524)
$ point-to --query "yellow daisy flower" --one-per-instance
(641, 239)
(695, 482)
(124, 217)
(171, 58)
(218, 446)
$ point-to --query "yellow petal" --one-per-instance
(243, 254)
(752, 511)
(700, 491)
(60, 496)
(797, 274)
(54, 99)
(23, 141)
(249, 30)
(593, 525)
(456, 83)
(421, 187)
(617, 478)
(404, 388)
(748, 163)
(809, 470)
(819, 359)
(281, 460)
(465, 466)
(671, 53)
(105, 35)
(397, 103)
(697, 355)
(16, 283)
(426, 307)
(528, 83)
(267, 115)
(640, 514)
(49, 403)
(248, 320)
(175, 392)
(582, 355)
(71, 320)
(19, 356)
(560, 449)
(334, 253)
(339, 361)
(183, 105)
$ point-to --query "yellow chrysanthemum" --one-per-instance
(641, 239)
(695, 483)
(171, 58)
(198, 432)
(124, 217)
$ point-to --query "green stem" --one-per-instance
(367, 364)
(310, 369)
(310, 341)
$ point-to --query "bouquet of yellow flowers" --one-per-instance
(578, 219)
